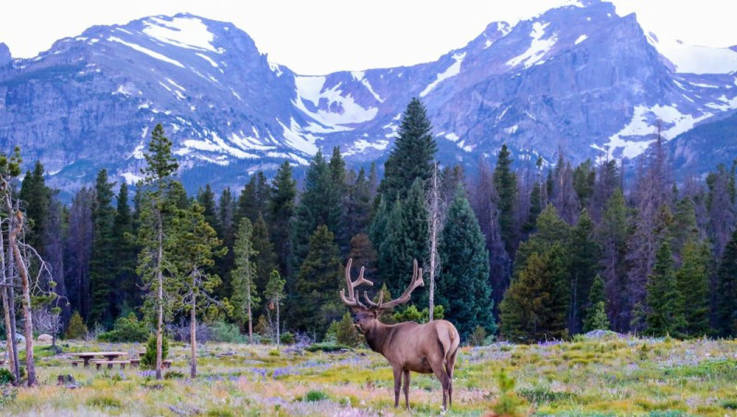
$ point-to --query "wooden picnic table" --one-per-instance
(87, 356)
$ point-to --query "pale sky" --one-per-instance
(321, 36)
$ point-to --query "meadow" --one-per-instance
(604, 376)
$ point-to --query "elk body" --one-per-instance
(428, 348)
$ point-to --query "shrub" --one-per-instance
(6, 377)
(126, 329)
(326, 347)
(226, 332)
(508, 403)
(346, 333)
(315, 395)
(478, 337)
(173, 375)
(148, 360)
(287, 338)
(411, 313)
(76, 328)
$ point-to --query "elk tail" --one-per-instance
(449, 340)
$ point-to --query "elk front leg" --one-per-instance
(397, 385)
(406, 388)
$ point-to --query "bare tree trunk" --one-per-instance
(250, 321)
(278, 336)
(193, 337)
(26, 299)
(160, 298)
(434, 220)
(13, 328)
(7, 308)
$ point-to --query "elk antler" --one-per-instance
(351, 300)
(416, 282)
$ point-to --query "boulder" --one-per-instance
(44, 338)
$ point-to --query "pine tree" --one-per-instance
(692, 282)
(36, 196)
(206, 199)
(153, 233)
(78, 248)
(319, 205)
(551, 230)
(662, 316)
(584, 180)
(245, 296)
(265, 260)
(584, 256)
(505, 183)
(596, 317)
(280, 210)
(338, 189)
(357, 214)
(364, 255)
(102, 272)
(412, 155)
(274, 294)
(726, 309)
(253, 198)
(223, 266)
(195, 246)
(462, 287)
(684, 227)
(125, 252)
(535, 306)
(314, 302)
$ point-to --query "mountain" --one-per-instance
(579, 79)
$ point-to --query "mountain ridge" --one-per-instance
(578, 78)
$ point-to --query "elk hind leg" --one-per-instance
(449, 367)
(405, 388)
(397, 384)
(438, 369)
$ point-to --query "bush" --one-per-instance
(76, 328)
(286, 338)
(315, 395)
(126, 329)
(148, 360)
(226, 332)
(346, 333)
(6, 377)
(326, 347)
(411, 313)
(478, 337)
(104, 401)
(508, 403)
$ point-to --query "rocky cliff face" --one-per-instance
(580, 79)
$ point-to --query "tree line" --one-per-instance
(525, 249)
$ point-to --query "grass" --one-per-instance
(582, 378)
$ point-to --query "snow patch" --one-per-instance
(146, 51)
(695, 59)
(361, 145)
(184, 32)
(644, 122)
(580, 39)
(511, 130)
(297, 139)
(333, 110)
(360, 76)
(452, 137)
(131, 177)
(453, 70)
(208, 59)
(539, 46)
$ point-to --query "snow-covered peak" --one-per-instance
(695, 59)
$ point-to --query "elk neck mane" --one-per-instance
(381, 335)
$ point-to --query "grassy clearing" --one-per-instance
(614, 377)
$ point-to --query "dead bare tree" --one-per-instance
(435, 218)
(408, 346)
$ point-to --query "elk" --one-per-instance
(408, 346)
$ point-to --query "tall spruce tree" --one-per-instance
(319, 205)
(280, 210)
(36, 197)
(412, 155)
(726, 309)
(125, 250)
(505, 184)
(463, 288)
(314, 302)
(226, 217)
(584, 254)
(206, 200)
(244, 293)
(692, 282)
(102, 271)
(663, 316)
(265, 260)
(253, 198)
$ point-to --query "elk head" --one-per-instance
(365, 316)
